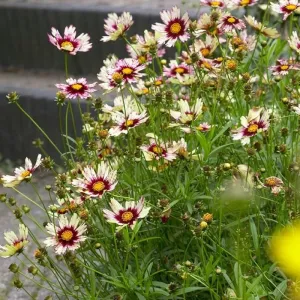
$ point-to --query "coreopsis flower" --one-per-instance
(116, 26)
(230, 23)
(108, 82)
(242, 3)
(174, 28)
(206, 25)
(188, 112)
(70, 43)
(15, 244)
(96, 182)
(283, 67)
(213, 4)
(128, 215)
(242, 42)
(157, 150)
(22, 173)
(274, 183)
(149, 43)
(204, 48)
(284, 249)
(296, 109)
(123, 105)
(175, 68)
(203, 127)
(209, 65)
(125, 122)
(266, 31)
(294, 42)
(67, 236)
(256, 121)
(285, 7)
(77, 88)
(145, 47)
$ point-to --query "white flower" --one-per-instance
(67, 235)
(175, 27)
(22, 173)
(127, 215)
(70, 43)
(116, 26)
(16, 243)
(96, 182)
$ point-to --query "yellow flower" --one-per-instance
(285, 249)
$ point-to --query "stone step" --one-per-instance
(25, 43)
(37, 94)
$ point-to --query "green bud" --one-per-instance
(13, 268)
(12, 97)
(26, 209)
(32, 270)
(18, 283)
(3, 198)
(12, 201)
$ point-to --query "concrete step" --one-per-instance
(37, 93)
(25, 25)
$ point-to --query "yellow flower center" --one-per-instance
(231, 19)
(205, 52)
(253, 128)
(215, 3)
(284, 67)
(270, 182)
(244, 2)
(117, 77)
(179, 70)
(127, 71)
(231, 64)
(142, 59)
(182, 152)
(127, 216)
(98, 186)
(145, 90)
(18, 246)
(77, 86)
(206, 65)
(129, 123)
(105, 152)
(67, 235)
(25, 173)
(175, 28)
(291, 7)
(157, 150)
(66, 45)
(158, 82)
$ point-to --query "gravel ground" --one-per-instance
(8, 222)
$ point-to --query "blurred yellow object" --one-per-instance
(285, 249)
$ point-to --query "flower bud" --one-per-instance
(98, 245)
(13, 268)
(12, 201)
(18, 213)
(3, 198)
(203, 225)
(12, 97)
(18, 283)
(48, 187)
(32, 270)
(207, 217)
(26, 209)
